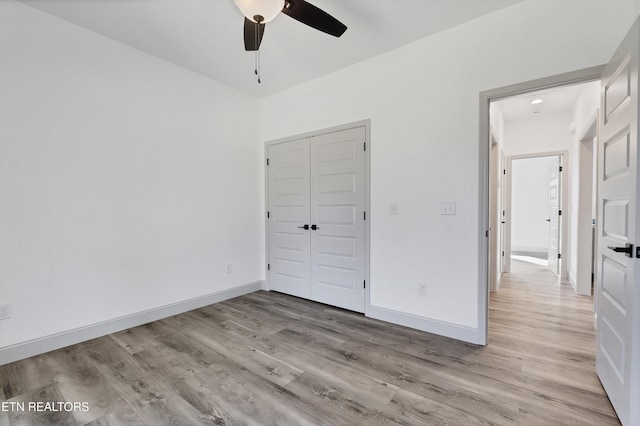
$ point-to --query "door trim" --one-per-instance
(485, 97)
(367, 195)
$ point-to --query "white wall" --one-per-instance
(530, 203)
(126, 183)
(422, 100)
(586, 106)
(585, 109)
(545, 132)
(496, 118)
(581, 210)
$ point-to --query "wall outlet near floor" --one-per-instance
(5, 311)
(422, 289)
(229, 268)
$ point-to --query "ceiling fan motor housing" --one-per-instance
(264, 9)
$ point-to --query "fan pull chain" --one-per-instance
(257, 69)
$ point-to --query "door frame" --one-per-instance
(586, 200)
(367, 196)
(486, 97)
(495, 217)
(564, 205)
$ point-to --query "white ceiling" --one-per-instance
(555, 101)
(206, 36)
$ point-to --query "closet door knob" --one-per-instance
(304, 227)
(315, 227)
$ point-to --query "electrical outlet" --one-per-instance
(422, 289)
(5, 311)
(448, 208)
(229, 268)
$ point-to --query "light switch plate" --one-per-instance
(448, 208)
(393, 208)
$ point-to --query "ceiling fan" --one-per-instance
(258, 12)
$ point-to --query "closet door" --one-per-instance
(289, 211)
(337, 214)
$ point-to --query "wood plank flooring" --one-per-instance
(271, 359)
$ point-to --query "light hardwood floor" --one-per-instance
(271, 359)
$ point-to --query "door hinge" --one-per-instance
(268, 266)
(364, 215)
(504, 171)
(365, 146)
(267, 161)
(486, 233)
(268, 215)
(502, 254)
(560, 168)
(365, 283)
(559, 212)
(559, 256)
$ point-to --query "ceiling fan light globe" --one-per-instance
(267, 9)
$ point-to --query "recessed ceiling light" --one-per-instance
(536, 101)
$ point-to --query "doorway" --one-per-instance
(492, 128)
(616, 353)
(548, 174)
(535, 203)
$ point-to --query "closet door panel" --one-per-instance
(289, 210)
(337, 208)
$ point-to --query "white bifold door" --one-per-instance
(316, 218)
(618, 280)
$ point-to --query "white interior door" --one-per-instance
(617, 288)
(337, 219)
(289, 211)
(554, 228)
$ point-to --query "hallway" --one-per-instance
(539, 319)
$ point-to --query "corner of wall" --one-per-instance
(572, 281)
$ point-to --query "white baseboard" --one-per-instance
(447, 329)
(572, 281)
(71, 337)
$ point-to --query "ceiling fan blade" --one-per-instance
(310, 15)
(253, 33)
